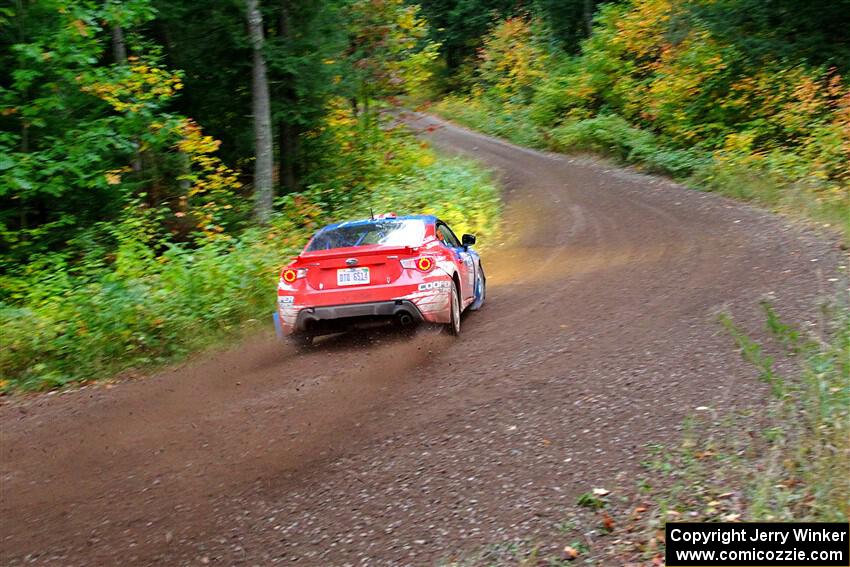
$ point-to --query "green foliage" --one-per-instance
(813, 31)
(455, 190)
(735, 106)
(608, 134)
(56, 139)
(89, 142)
(149, 312)
(612, 135)
(510, 62)
(514, 125)
(390, 52)
(305, 49)
(459, 25)
(590, 500)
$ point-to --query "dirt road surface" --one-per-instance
(598, 337)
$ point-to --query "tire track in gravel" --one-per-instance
(597, 338)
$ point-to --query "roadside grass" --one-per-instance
(768, 181)
(804, 436)
(146, 310)
(788, 460)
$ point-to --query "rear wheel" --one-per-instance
(454, 322)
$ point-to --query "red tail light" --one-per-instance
(423, 263)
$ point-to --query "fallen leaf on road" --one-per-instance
(601, 492)
(570, 553)
(607, 521)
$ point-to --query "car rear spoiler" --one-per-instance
(356, 251)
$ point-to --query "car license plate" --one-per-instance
(352, 276)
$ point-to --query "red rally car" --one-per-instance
(406, 270)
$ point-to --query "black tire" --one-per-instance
(453, 326)
(480, 280)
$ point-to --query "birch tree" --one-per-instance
(263, 190)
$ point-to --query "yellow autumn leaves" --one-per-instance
(510, 61)
(141, 84)
(210, 183)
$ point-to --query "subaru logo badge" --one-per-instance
(351, 261)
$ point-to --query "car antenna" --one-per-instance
(372, 213)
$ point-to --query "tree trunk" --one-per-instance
(119, 54)
(283, 19)
(119, 47)
(589, 5)
(287, 135)
(263, 190)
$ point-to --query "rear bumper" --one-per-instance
(329, 311)
(336, 318)
(375, 308)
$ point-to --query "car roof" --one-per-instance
(427, 219)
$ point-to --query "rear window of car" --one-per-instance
(404, 232)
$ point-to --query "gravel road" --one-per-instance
(598, 337)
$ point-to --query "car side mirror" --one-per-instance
(467, 240)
